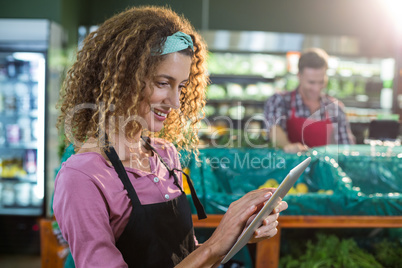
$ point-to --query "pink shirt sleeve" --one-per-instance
(82, 208)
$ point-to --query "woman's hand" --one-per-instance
(268, 228)
(236, 219)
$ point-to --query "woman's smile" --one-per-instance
(160, 114)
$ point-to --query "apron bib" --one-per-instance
(307, 131)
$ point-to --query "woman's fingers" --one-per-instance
(270, 222)
(250, 219)
(281, 207)
(269, 225)
(267, 230)
(271, 218)
(253, 201)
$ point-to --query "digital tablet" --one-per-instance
(269, 206)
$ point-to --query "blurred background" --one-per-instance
(254, 47)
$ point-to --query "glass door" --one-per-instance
(22, 115)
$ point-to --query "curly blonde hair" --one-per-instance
(107, 79)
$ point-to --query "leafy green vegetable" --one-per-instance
(388, 253)
(330, 251)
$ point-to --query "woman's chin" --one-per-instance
(155, 128)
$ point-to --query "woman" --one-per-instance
(119, 199)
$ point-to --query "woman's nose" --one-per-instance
(174, 97)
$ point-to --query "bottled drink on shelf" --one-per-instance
(22, 98)
(10, 102)
(36, 200)
(11, 68)
(30, 161)
(22, 194)
(25, 129)
(8, 195)
(34, 97)
(24, 71)
(13, 134)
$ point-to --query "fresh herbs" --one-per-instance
(388, 253)
(330, 251)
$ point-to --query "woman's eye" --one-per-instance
(162, 84)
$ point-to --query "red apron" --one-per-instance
(307, 131)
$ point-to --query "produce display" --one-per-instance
(216, 92)
(334, 184)
(325, 188)
(299, 188)
(244, 64)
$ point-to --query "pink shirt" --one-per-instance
(92, 207)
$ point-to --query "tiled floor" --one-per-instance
(20, 261)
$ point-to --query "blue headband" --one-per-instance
(176, 42)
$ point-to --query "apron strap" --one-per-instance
(121, 172)
(171, 173)
(197, 203)
(323, 109)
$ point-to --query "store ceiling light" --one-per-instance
(394, 9)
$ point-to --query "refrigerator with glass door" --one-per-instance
(28, 140)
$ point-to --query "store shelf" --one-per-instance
(15, 114)
(30, 145)
(257, 117)
(17, 180)
(25, 211)
(224, 109)
(240, 79)
(235, 102)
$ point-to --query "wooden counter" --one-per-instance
(267, 254)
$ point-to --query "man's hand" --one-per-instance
(295, 148)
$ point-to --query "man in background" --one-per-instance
(307, 117)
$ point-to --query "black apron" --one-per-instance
(157, 235)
